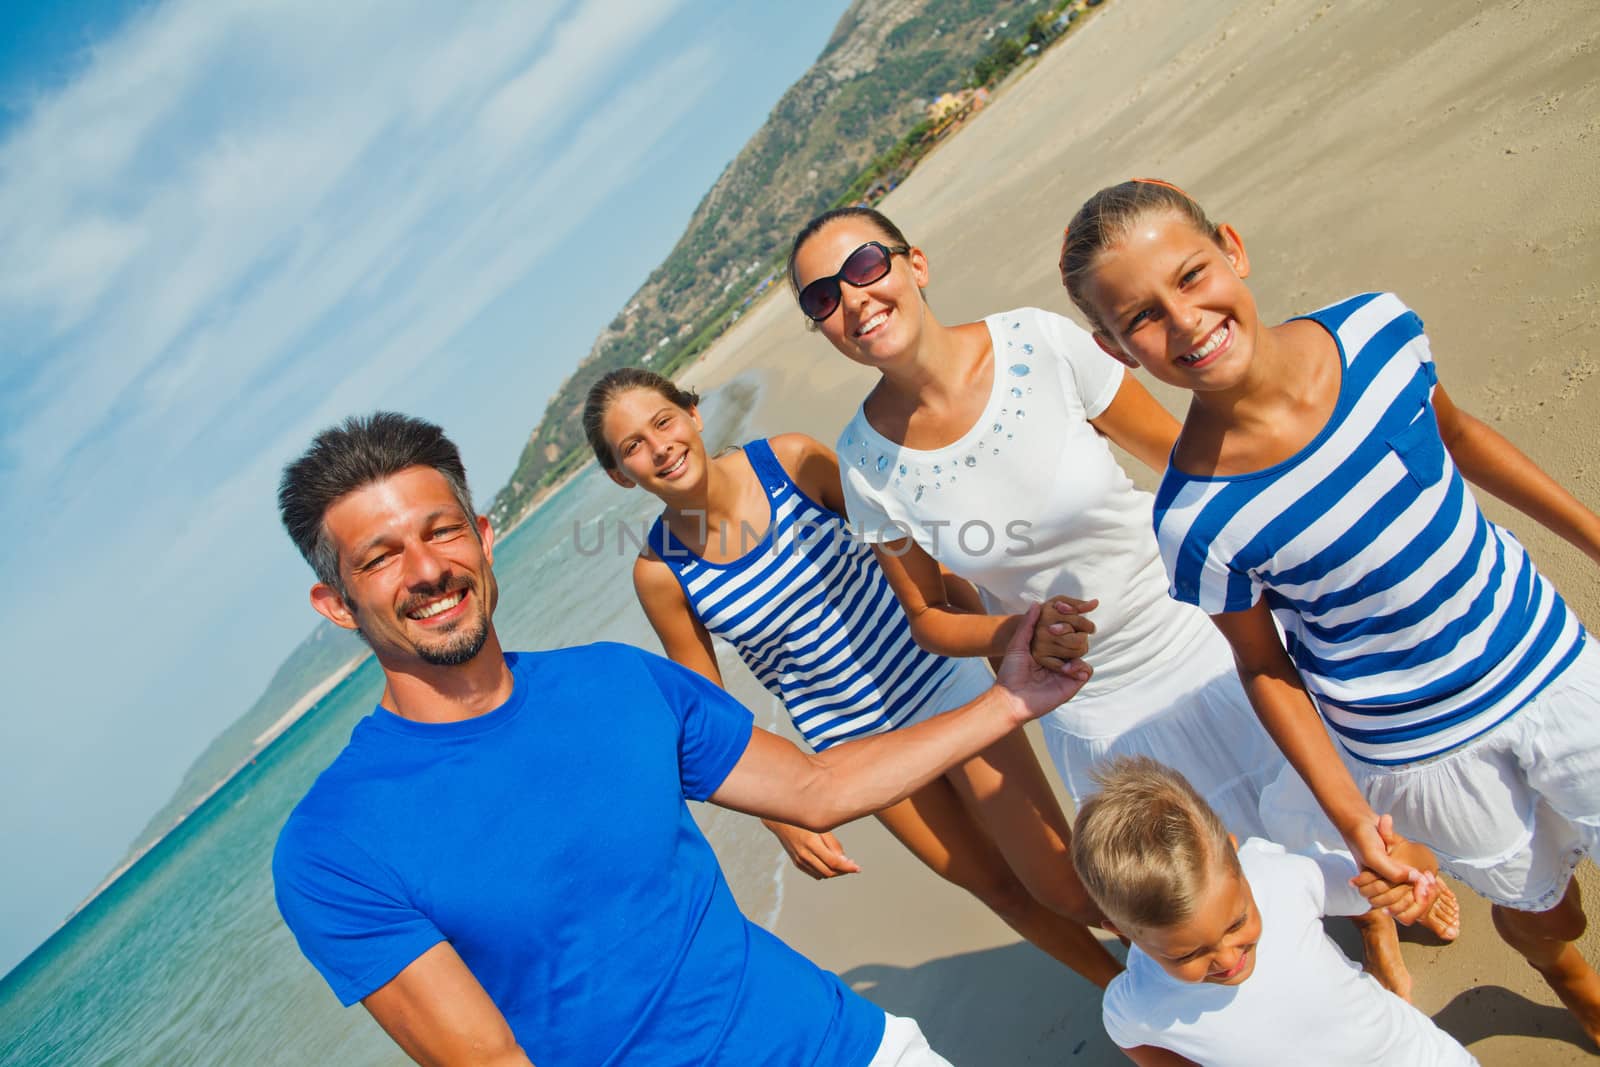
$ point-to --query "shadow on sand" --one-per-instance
(998, 1007)
(1014, 1006)
(1491, 1010)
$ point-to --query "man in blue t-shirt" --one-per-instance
(500, 864)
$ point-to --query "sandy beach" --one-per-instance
(1448, 151)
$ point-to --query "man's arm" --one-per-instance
(438, 1013)
(776, 779)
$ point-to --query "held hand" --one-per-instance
(819, 855)
(1062, 614)
(1399, 875)
(1062, 632)
(1039, 689)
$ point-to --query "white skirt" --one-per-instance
(1510, 813)
(1192, 715)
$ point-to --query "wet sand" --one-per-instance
(1448, 151)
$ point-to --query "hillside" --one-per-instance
(885, 62)
(323, 653)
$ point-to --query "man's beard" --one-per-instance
(457, 647)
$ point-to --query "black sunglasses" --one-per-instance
(865, 265)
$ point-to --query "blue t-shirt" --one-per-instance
(548, 841)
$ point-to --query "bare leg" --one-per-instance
(1010, 797)
(1545, 940)
(937, 827)
(1380, 943)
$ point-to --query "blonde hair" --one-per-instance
(1147, 846)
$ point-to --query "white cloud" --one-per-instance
(235, 225)
(268, 225)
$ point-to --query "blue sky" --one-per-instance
(227, 225)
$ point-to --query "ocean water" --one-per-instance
(184, 959)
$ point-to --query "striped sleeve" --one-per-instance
(1190, 517)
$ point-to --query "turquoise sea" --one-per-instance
(184, 959)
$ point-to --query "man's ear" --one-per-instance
(1233, 248)
(1109, 347)
(486, 538)
(618, 477)
(694, 416)
(330, 605)
(1107, 924)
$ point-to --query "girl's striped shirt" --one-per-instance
(1415, 622)
(812, 615)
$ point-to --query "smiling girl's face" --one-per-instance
(656, 443)
(875, 323)
(1171, 299)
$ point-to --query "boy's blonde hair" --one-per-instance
(1146, 846)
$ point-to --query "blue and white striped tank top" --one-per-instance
(812, 615)
(1415, 622)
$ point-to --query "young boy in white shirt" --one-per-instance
(1229, 963)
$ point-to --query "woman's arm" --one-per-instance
(937, 624)
(1488, 460)
(683, 638)
(1285, 709)
(1136, 422)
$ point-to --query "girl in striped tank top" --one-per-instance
(1319, 483)
(752, 548)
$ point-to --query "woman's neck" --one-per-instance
(936, 371)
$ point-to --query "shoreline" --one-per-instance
(262, 742)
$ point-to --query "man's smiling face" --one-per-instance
(415, 568)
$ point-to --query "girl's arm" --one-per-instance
(1156, 1056)
(1488, 460)
(813, 466)
(683, 638)
(1136, 422)
(686, 642)
(1285, 709)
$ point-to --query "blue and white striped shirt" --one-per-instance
(812, 615)
(1415, 622)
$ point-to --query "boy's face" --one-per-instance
(1218, 944)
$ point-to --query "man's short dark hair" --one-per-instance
(343, 458)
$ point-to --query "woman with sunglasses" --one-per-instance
(983, 448)
(751, 547)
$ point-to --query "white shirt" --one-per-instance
(1305, 1001)
(1030, 502)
